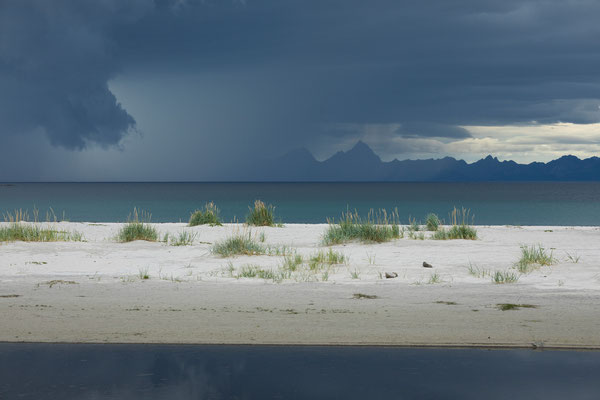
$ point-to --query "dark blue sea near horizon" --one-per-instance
(491, 203)
(105, 371)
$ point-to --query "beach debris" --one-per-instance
(9, 296)
(57, 282)
(427, 265)
(360, 296)
(391, 275)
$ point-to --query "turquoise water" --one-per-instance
(495, 203)
(79, 371)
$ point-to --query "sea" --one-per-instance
(490, 203)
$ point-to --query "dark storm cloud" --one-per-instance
(425, 67)
(55, 62)
(428, 65)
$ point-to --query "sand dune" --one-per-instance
(93, 291)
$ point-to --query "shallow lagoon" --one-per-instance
(87, 371)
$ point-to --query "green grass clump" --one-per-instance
(501, 277)
(261, 214)
(432, 222)
(533, 257)
(460, 227)
(377, 227)
(138, 228)
(238, 244)
(143, 273)
(26, 232)
(208, 216)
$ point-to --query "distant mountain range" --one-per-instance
(362, 164)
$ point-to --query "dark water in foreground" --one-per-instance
(495, 203)
(68, 371)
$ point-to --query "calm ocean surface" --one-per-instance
(80, 371)
(496, 203)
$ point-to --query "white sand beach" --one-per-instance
(94, 291)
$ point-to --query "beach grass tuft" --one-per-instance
(413, 225)
(574, 258)
(138, 228)
(376, 227)
(434, 278)
(501, 277)
(291, 262)
(325, 258)
(432, 222)
(355, 274)
(261, 214)
(208, 216)
(461, 227)
(143, 273)
(534, 257)
(238, 244)
(184, 238)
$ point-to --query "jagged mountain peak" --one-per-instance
(360, 152)
(361, 163)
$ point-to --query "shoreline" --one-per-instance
(473, 346)
(98, 299)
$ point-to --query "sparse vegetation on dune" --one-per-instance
(255, 271)
(533, 257)
(376, 227)
(261, 214)
(292, 262)
(326, 258)
(461, 227)
(184, 238)
(138, 228)
(239, 244)
(28, 232)
(20, 228)
(208, 216)
(293, 266)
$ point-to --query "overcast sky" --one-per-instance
(197, 89)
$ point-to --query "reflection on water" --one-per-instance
(77, 371)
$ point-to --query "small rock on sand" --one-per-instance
(427, 265)
(390, 275)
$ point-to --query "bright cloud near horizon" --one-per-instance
(520, 143)
(199, 89)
